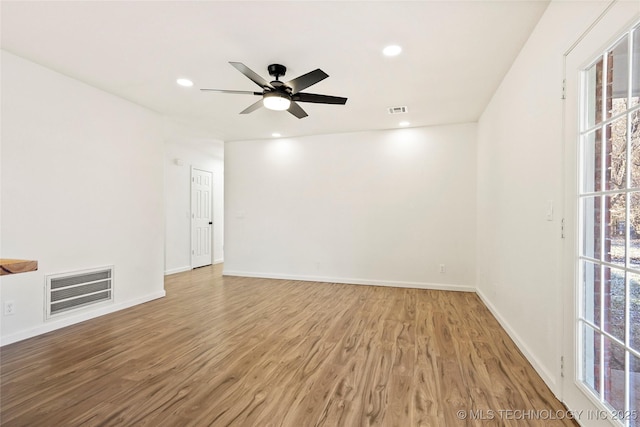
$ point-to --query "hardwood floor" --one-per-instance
(256, 352)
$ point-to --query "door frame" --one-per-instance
(616, 18)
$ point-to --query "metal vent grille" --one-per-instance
(397, 110)
(71, 291)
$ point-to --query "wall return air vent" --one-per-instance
(68, 292)
(397, 110)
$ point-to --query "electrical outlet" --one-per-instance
(443, 269)
(9, 308)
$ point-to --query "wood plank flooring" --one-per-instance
(255, 352)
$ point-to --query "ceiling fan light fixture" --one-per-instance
(275, 101)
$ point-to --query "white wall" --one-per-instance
(520, 168)
(82, 185)
(385, 207)
(203, 154)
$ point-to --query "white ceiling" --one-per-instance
(455, 54)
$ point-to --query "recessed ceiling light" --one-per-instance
(184, 82)
(404, 124)
(392, 50)
(276, 135)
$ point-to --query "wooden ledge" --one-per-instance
(15, 266)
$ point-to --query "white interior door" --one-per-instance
(201, 217)
(601, 375)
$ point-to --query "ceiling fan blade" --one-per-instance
(252, 107)
(297, 110)
(242, 92)
(251, 74)
(319, 99)
(306, 80)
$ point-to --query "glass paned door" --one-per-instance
(609, 238)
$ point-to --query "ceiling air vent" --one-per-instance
(397, 110)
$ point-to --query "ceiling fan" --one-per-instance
(281, 96)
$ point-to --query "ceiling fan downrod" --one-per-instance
(277, 70)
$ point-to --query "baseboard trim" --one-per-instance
(188, 267)
(81, 317)
(547, 376)
(177, 270)
(353, 281)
